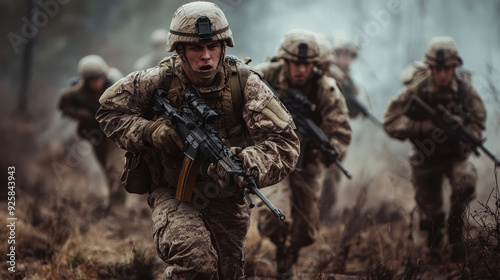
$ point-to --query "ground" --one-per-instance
(63, 231)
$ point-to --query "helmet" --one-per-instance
(344, 43)
(442, 50)
(92, 66)
(158, 37)
(299, 45)
(325, 49)
(198, 22)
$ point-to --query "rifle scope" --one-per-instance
(208, 115)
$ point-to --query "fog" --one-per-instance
(392, 34)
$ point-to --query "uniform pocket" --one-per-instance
(164, 203)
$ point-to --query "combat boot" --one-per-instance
(455, 238)
(286, 257)
(433, 227)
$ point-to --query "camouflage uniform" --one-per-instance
(297, 196)
(435, 156)
(205, 238)
(342, 75)
(80, 103)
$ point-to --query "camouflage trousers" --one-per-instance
(196, 243)
(328, 192)
(112, 159)
(297, 197)
(428, 181)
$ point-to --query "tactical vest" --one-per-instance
(230, 128)
(454, 103)
(229, 100)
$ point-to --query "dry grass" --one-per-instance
(482, 238)
(60, 236)
(363, 245)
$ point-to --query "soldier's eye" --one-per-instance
(213, 46)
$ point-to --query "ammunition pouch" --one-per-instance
(136, 177)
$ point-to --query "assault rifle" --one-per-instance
(193, 124)
(443, 119)
(300, 107)
(353, 103)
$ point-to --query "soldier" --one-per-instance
(294, 67)
(80, 102)
(441, 84)
(345, 52)
(158, 42)
(326, 57)
(201, 241)
(332, 175)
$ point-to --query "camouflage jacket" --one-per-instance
(80, 103)
(331, 112)
(126, 110)
(460, 95)
(348, 86)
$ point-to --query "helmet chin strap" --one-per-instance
(205, 76)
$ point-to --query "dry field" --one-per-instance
(62, 234)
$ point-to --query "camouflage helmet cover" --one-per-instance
(158, 37)
(92, 66)
(442, 50)
(325, 49)
(198, 22)
(342, 42)
(299, 45)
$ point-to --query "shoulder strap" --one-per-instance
(240, 71)
(167, 72)
(238, 80)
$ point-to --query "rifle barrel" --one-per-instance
(276, 211)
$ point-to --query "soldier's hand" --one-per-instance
(163, 136)
(226, 186)
(465, 149)
(454, 121)
(426, 127)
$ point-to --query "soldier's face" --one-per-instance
(345, 59)
(96, 84)
(299, 71)
(325, 67)
(442, 74)
(203, 58)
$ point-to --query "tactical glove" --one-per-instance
(426, 127)
(163, 136)
(465, 149)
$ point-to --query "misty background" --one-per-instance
(392, 34)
